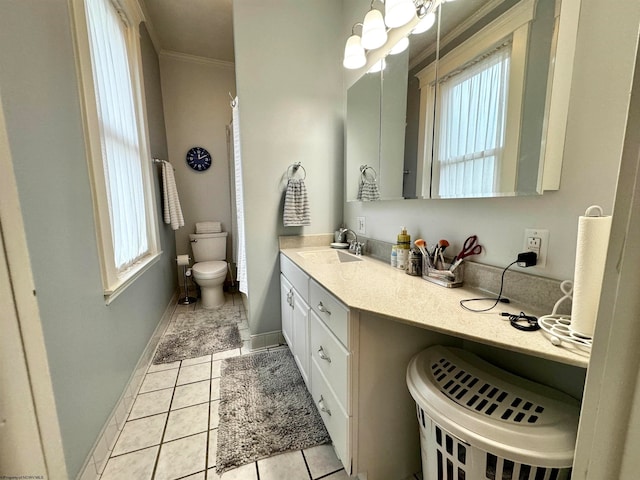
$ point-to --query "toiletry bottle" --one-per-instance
(404, 242)
(394, 256)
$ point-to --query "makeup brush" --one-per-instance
(442, 245)
(422, 246)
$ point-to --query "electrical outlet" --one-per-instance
(361, 228)
(537, 240)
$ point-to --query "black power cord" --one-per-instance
(497, 299)
(526, 323)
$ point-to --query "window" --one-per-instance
(469, 138)
(114, 109)
(471, 107)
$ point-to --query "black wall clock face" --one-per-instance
(199, 159)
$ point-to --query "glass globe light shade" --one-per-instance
(354, 56)
(398, 12)
(400, 47)
(378, 66)
(425, 24)
(374, 31)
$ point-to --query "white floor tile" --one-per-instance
(322, 460)
(226, 354)
(139, 434)
(194, 373)
(181, 457)
(215, 369)
(159, 380)
(215, 389)
(341, 475)
(214, 417)
(151, 403)
(138, 465)
(196, 361)
(163, 366)
(196, 476)
(246, 472)
(213, 447)
(191, 394)
(288, 465)
(187, 421)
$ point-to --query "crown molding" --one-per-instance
(185, 57)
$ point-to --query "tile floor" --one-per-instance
(171, 431)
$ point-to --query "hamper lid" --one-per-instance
(494, 409)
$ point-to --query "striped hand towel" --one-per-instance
(172, 209)
(296, 204)
(368, 191)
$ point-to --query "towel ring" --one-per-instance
(294, 168)
(363, 172)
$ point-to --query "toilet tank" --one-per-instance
(208, 246)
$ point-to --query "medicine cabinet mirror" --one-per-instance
(481, 115)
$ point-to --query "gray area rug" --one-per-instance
(199, 333)
(265, 409)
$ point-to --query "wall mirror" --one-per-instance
(468, 110)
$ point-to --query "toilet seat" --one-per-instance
(209, 270)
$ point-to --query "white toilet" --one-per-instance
(210, 269)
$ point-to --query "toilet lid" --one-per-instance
(210, 269)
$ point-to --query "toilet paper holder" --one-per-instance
(183, 261)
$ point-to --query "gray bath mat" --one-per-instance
(199, 333)
(265, 409)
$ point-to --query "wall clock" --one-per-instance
(199, 159)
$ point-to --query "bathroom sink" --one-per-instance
(329, 256)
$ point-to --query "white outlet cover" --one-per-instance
(361, 225)
(543, 235)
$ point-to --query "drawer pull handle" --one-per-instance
(323, 309)
(322, 407)
(323, 355)
(290, 298)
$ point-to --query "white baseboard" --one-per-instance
(101, 450)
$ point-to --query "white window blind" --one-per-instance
(119, 134)
(471, 129)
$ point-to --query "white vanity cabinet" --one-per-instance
(331, 348)
(294, 293)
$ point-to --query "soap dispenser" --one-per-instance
(403, 245)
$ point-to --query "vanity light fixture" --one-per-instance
(374, 31)
(398, 12)
(375, 28)
(354, 55)
(378, 66)
(400, 47)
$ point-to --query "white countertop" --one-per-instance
(376, 287)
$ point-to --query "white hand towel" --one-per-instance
(172, 208)
(296, 204)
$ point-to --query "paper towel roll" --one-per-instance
(183, 260)
(591, 253)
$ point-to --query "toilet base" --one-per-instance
(211, 297)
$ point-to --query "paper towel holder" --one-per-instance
(186, 300)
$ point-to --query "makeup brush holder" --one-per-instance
(440, 273)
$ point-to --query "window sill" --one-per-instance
(129, 277)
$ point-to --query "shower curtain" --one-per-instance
(240, 251)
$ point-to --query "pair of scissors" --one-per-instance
(470, 247)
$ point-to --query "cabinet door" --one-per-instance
(286, 306)
(300, 322)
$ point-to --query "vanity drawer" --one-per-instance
(330, 311)
(335, 419)
(296, 276)
(332, 359)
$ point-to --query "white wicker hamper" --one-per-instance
(479, 422)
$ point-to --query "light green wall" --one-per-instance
(289, 81)
(92, 348)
